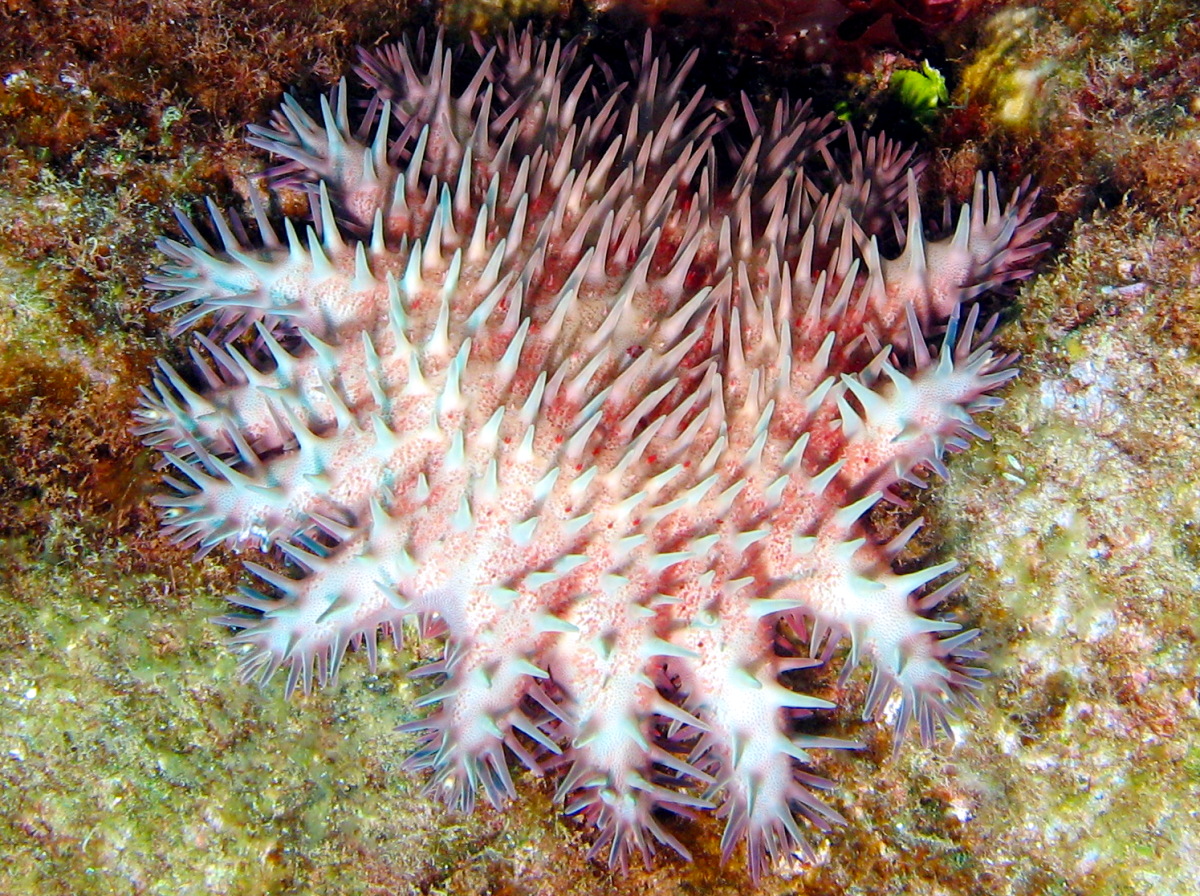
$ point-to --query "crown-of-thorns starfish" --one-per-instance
(595, 381)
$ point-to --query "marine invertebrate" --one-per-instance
(594, 381)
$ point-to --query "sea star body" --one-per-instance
(595, 381)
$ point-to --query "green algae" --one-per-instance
(1096, 713)
(132, 764)
(923, 91)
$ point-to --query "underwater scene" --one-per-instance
(611, 446)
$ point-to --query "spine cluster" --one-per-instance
(594, 381)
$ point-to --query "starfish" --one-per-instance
(594, 379)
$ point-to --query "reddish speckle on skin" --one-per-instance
(598, 398)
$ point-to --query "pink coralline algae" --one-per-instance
(593, 379)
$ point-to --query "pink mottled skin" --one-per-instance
(599, 400)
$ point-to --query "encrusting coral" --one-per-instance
(594, 379)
